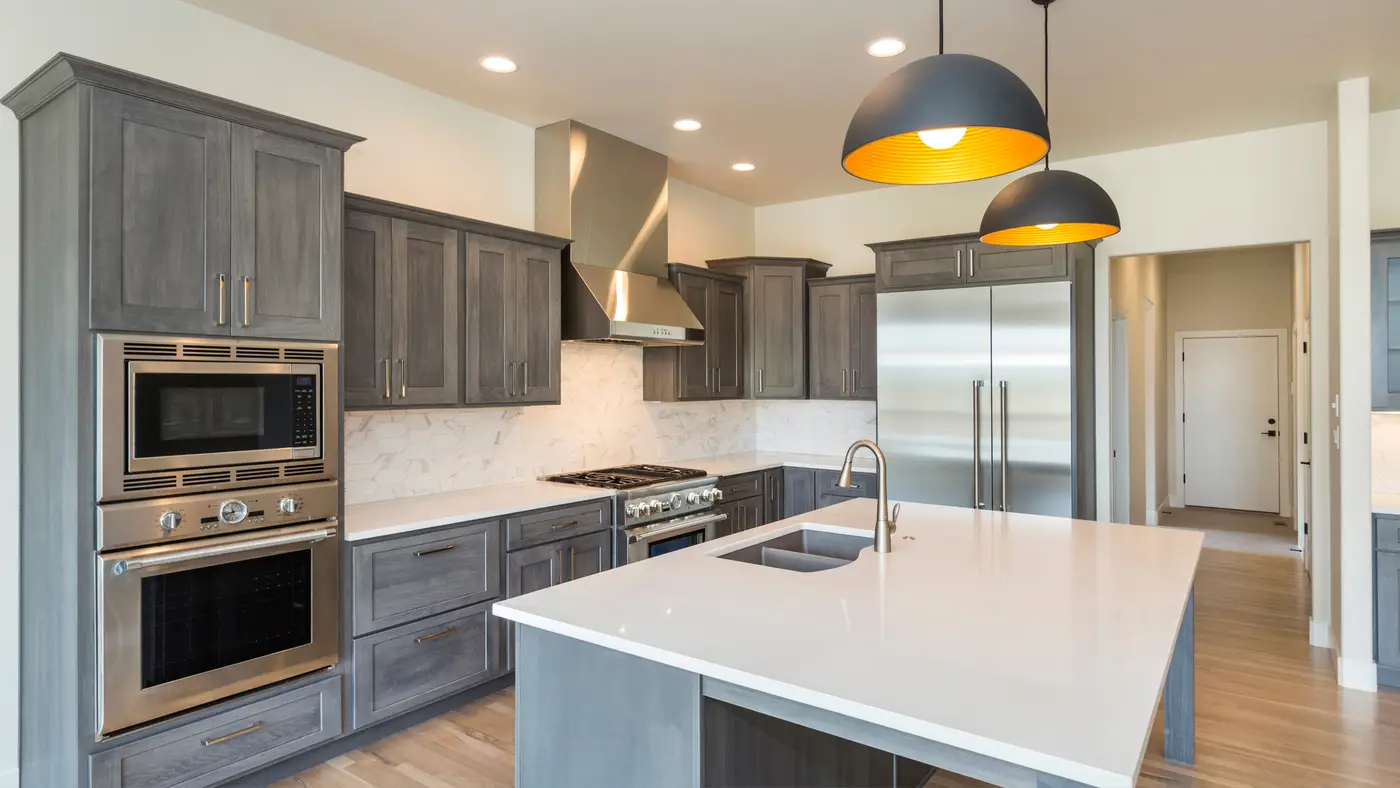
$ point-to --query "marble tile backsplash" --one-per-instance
(602, 421)
(1385, 452)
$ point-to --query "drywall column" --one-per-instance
(1351, 446)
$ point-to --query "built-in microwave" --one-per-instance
(183, 415)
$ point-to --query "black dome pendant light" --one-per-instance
(1052, 206)
(945, 119)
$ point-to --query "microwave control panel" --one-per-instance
(304, 411)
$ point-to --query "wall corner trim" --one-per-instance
(1357, 674)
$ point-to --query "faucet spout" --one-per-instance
(884, 524)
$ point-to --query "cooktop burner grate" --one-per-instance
(628, 477)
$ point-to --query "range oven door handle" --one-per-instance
(279, 538)
(686, 525)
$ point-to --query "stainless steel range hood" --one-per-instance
(610, 197)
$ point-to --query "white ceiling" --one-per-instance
(775, 81)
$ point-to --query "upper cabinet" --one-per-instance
(928, 263)
(841, 325)
(1385, 320)
(204, 216)
(716, 369)
(443, 311)
(775, 322)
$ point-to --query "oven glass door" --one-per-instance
(183, 414)
(187, 623)
(673, 543)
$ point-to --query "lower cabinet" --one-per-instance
(542, 566)
(1387, 606)
(799, 491)
(406, 667)
(772, 496)
(743, 514)
(412, 577)
(219, 748)
(829, 493)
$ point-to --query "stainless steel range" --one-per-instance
(657, 508)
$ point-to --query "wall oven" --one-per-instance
(195, 414)
(203, 597)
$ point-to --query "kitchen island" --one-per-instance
(1014, 649)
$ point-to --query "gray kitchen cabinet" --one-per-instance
(773, 488)
(747, 500)
(739, 486)
(533, 528)
(775, 318)
(1388, 610)
(799, 491)
(286, 236)
(729, 525)
(400, 580)
(513, 322)
(587, 555)
(160, 210)
(714, 370)
(215, 749)
(751, 513)
(988, 263)
(828, 493)
(841, 330)
(920, 264)
(367, 356)
(426, 262)
(533, 568)
(409, 666)
(1385, 321)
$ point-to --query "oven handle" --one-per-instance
(297, 536)
(680, 526)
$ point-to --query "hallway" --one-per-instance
(1243, 532)
(1269, 711)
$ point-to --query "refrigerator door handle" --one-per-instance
(977, 444)
(1005, 424)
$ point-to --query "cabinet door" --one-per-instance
(799, 491)
(863, 348)
(426, 353)
(777, 332)
(751, 513)
(492, 282)
(923, 267)
(285, 237)
(367, 355)
(726, 343)
(694, 367)
(160, 202)
(534, 568)
(1388, 609)
(730, 526)
(587, 555)
(772, 496)
(537, 317)
(829, 356)
(1385, 325)
(989, 263)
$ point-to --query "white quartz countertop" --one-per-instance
(1038, 641)
(1385, 503)
(405, 515)
(748, 462)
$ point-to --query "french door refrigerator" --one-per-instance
(976, 397)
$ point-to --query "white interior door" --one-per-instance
(1230, 388)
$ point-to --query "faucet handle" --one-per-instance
(894, 515)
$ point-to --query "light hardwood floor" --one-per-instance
(1269, 712)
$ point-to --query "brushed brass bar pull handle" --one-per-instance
(561, 526)
(510, 379)
(403, 378)
(388, 378)
(435, 550)
(223, 300)
(247, 301)
(442, 634)
(760, 381)
(525, 378)
(844, 375)
(572, 571)
(855, 381)
(960, 264)
(255, 727)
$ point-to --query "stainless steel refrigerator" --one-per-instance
(977, 396)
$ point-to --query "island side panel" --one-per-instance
(1179, 697)
(586, 715)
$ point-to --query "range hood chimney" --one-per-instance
(610, 197)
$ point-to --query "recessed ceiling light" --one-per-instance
(742, 166)
(885, 47)
(686, 124)
(498, 64)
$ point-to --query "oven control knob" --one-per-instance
(656, 507)
(708, 496)
(634, 509)
(169, 521)
(675, 500)
(693, 498)
(289, 505)
(233, 512)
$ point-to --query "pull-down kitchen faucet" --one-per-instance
(884, 523)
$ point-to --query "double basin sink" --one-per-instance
(803, 550)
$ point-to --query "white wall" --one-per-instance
(1135, 282)
(704, 225)
(1385, 170)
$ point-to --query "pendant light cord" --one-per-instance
(940, 27)
(1047, 76)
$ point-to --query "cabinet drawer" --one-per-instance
(736, 488)
(409, 666)
(921, 267)
(401, 580)
(1388, 533)
(221, 747)
(535, 528)
(864, 485)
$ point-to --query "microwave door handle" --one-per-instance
(228, 548)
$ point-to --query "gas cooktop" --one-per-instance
(628, 477)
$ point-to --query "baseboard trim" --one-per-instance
(1357, 674)
(1319, 634)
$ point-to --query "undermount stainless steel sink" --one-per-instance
(803, 550)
